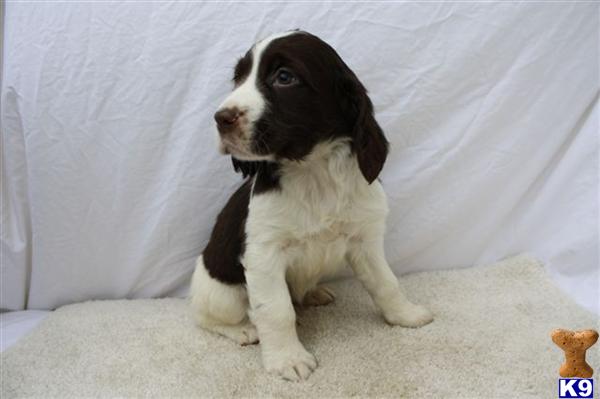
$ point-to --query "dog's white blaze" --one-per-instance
(247, 98)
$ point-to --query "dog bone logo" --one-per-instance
(575, 343)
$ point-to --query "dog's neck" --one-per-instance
(330, 160)
(329, 170)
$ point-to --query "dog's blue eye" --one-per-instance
(284, 78)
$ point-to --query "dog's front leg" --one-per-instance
(367, 260)
(272, 313)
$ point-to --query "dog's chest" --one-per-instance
(313, 219)
(313, 240)
(315, 206)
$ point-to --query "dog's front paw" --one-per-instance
(293, 364)
(409, 315)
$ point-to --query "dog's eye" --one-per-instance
(283, 77)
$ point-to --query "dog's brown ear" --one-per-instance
(368, 140)
(370, 144)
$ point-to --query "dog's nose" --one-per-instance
(227, 117)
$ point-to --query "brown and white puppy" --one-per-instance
(300, 126)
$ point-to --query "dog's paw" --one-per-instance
(247, 335)
(291, 364)
(319, 296)
(244, 334)
(409, 315)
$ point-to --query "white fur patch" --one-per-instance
(321, 210)
(246, 97)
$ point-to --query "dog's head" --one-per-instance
(293, 91)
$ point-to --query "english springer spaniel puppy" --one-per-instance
(299, 125)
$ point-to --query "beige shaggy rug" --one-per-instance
(490, 339)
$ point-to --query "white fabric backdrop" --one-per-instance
(111, 178)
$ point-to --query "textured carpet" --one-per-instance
(490, 339)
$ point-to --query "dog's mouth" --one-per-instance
(231, 147)
(240, 149)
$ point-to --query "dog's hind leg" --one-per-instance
(221, 308)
